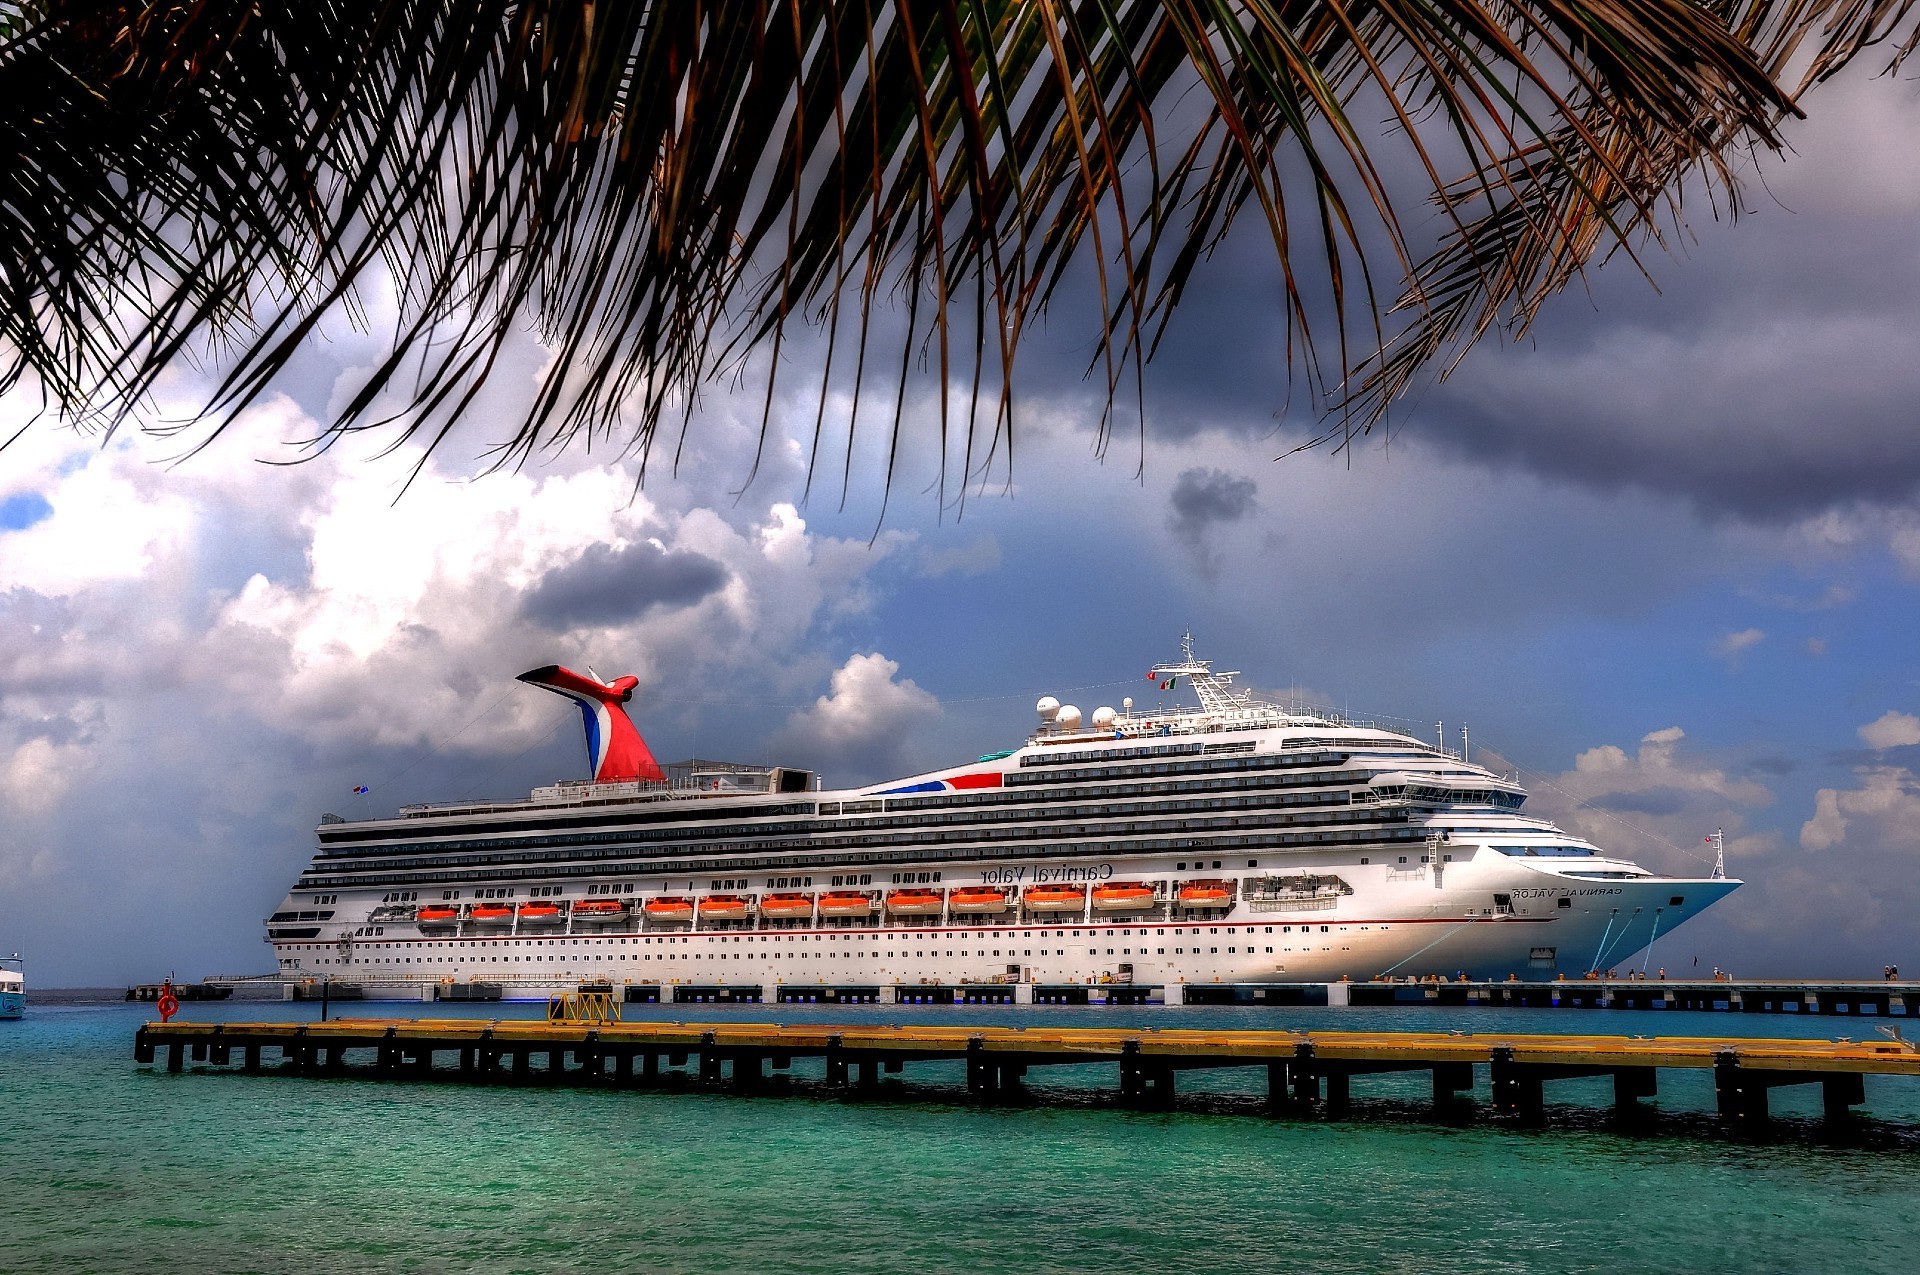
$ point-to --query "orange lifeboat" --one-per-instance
(668, 907)
(787, 907)
(541, 914)
(1206, 894)
(915, 902)
(978, 899)
(845, 903)
(1056, 898)
(438, 914)
(1123, 896)
(598, 910)
(491, 914)
(724, 907)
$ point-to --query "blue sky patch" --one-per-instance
(23, 510)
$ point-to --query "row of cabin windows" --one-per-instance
(788, 883)
(1053, 796)
(611, 887)
(1110, 839)
(915, 878)
(1105, 833)
(863, 878)
(400, 896)
(1068, 849)
(1199, 865)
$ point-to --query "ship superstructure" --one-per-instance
(1238, 841)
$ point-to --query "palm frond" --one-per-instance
(663, 189)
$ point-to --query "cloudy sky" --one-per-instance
(1663, 558)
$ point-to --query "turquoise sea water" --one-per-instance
(107, 1166)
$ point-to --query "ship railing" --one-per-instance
(1300, 903)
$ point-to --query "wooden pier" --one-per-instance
(1307, 1072)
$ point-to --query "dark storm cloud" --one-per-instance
(1204, 500)
(606, 586)
(1768, 371)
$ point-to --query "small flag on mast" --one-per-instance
(360, 791)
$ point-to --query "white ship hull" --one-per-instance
(1394, 928)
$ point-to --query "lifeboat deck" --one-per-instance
(1306, 1071)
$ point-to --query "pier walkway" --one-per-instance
(1306, 1071)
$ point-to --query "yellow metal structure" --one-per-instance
(577, 1008)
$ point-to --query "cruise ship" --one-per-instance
(13, 987)
(1229, 841)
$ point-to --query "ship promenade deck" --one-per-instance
(1307, 1072)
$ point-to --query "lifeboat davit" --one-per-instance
(845, 903)
(542, 914)
(1056, 898)
(915, 902)
(491, 914)
(1206, 894)
(599, 910)
(437, 914)
(787, 907)
(1123, 896)
(724, 907)
(669, 908)
(978, 900)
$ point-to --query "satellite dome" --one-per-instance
(1047, 708)
(1068, 718)
(1103, 717)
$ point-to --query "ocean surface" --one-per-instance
(108, 1166)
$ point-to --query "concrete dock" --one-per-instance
(1306, 1072)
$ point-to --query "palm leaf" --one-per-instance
(663, 189)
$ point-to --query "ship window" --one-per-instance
(1403, 858)
(1253, 863)
(1180, 867)
(1677, 901)
(1564, 903)
(1364, 861)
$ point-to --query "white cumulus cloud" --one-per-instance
(1891, 730)
(1884, 811)
(861, 724)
